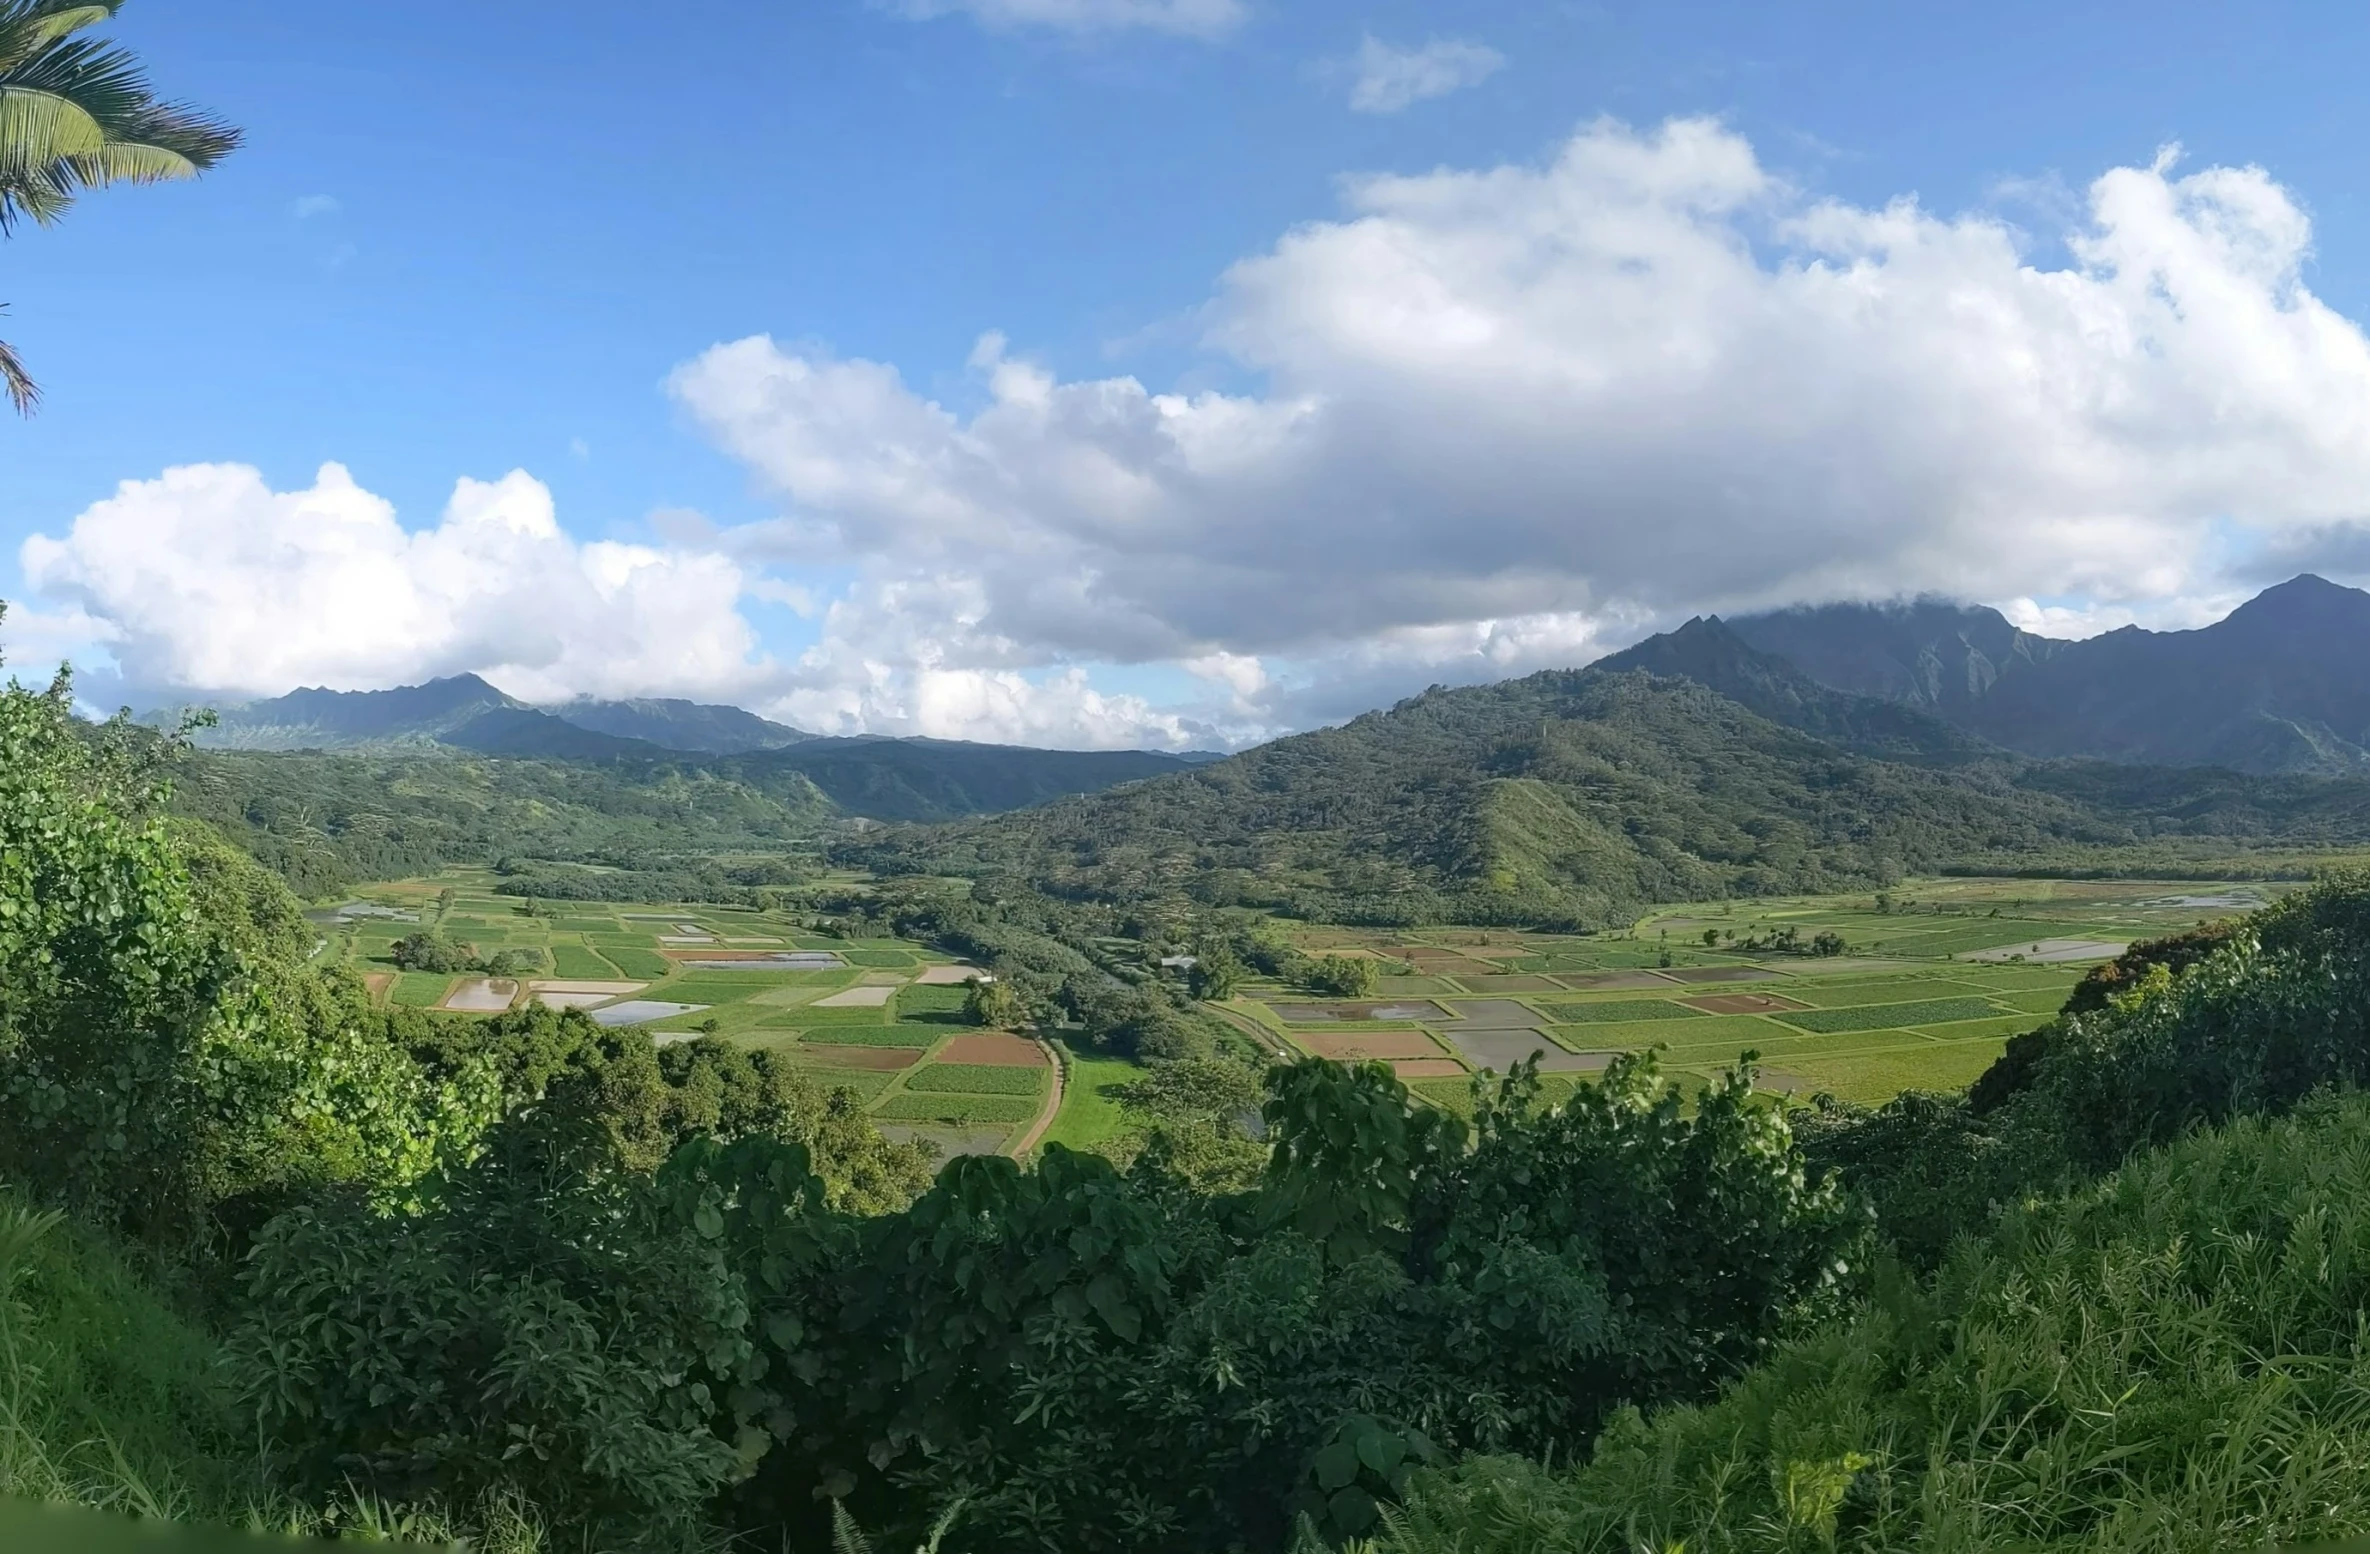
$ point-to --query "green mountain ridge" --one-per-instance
(1574, 795)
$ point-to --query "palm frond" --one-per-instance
(39, 125)
(27, 26)
(15, 381)
(100, 79)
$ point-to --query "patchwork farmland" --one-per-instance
(882, 1019)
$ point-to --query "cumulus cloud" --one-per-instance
(1180, 18)
(1385, 77)
(1511, 412)
(208, 580)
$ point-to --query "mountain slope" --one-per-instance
(2281, 685)
(538, 735)
(1929, 653)
(316, 719)
(1712, 654)
(1572, 796)
(680, 725)
(941, 779)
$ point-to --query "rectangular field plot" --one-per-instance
(1998, 1030)
(637, 963)
(2046, 1001)
(1350, 1048)
(995, 1047)
(1713, 1033)
(714, 989)
(1873, 1017)
(420, 989)
(574, 960)
(1614, 1011)
(915, 1106)
(1893, 990)
(813, 1015)
(1879, 1077)
(872, 1036)
(977, 1079)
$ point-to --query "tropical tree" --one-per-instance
(77, 113)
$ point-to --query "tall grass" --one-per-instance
(110, 1401)
(2175, 1359)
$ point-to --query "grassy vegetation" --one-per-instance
(1879, 1017)
(2166, 1362)
(912, 1105)
(978, 1079)
(1090, 1110)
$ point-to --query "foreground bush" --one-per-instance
(2173, 1359)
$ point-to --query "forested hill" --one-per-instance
(1573, 796)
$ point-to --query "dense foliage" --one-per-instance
(2169, 1361)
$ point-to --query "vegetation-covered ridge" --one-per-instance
(1569, 797)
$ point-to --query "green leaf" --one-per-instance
(1352, 1509)
(1336, 1465)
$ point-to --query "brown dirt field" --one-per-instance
(1373, 1044)
(1428, 1068)
(1743, 1003)
(878, 1060)
(378, 982)
(1003, 1051)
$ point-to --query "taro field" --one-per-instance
(881, 1018)
(1928, 984)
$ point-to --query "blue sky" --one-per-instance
(467, 241)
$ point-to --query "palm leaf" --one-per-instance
(28, 26)
(40, 126)
(15, 381)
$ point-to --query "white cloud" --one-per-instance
(1526, 411)
(1387, 77)
(1181, 18)
(1505, 418)
(207, 580)
(306, 207)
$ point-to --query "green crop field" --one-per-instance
(1613, 1011)
(637, 963)
(977, 1079)
(873, 1036)
(909, 1106)
(1878, 1017)
(420, 989)
(574, 960)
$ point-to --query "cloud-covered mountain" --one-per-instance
(2280, 686)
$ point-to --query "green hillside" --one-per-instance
(1567, 795)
